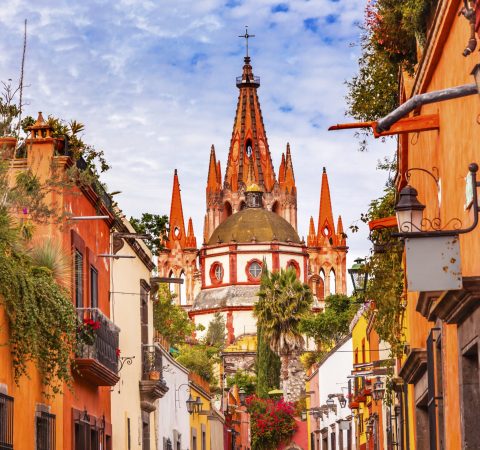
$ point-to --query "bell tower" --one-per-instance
(249, 150)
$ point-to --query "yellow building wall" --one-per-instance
(197, 420)
(359, 337)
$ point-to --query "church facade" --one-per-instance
(250, 220)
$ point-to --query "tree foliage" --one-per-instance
(244, 381)
(199, 359)
(267, 366)
(170, 319)
(283, 300)
(155, 226)
(215, 336)
(333, 324)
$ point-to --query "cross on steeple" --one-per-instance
(246, 36)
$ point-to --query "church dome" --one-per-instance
(254, 224)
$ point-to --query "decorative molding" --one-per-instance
(415, 366)
(94, 372)
(425, 302)
(455, 306)
(151, 390)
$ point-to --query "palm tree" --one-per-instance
(283, 301)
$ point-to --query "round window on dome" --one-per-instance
(216, 273)
(255, 270)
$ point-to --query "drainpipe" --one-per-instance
(419, 100)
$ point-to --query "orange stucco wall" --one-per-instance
(450, 149)
(96, 238)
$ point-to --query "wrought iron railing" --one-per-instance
(249, 80)
(6, 422)
(45, 424)
(151, 361)
(98, 338)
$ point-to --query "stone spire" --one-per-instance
(213, 184)
(312, 236)
(341, 241)
(177, 224)
(289, 175)
(281, 172)
(326, 228)
(249, 137)
(191, 240)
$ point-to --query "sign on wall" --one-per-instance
(433, 263)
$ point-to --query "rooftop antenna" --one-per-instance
(246, 36)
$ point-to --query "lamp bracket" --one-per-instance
(434, 174)
(125, 360)
(435, 229)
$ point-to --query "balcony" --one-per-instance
(152, 385)
(96, 358)
(248, 81)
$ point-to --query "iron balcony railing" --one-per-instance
(98, 338)
(151, 362)
(6, 422)
(248, 81)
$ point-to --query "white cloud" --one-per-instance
(153, 81)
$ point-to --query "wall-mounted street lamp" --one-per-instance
(410, 212)
(359, 276)
(341, 399)
(242, 395)
(190, 404)
(432, 248)
(378, 391)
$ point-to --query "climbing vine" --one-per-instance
(391, 33)
(40, 315)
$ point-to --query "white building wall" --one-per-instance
(125, 306)
(171, 416)
(244, 258)
(284, 260)
(332, 379)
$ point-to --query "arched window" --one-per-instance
(227, 210)
(333, 282)
(172, 286)
(248, 148)
(276, 208)
(321, 285)
(292, 264)
(183, 290)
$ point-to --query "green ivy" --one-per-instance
(41, 318)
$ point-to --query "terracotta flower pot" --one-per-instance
(154, 375)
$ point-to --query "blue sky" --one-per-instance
(154, 83)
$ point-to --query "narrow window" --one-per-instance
(470, 391)
(45, 431)
(78, 279)
(93, 287)
(6, 421)
(144, 314)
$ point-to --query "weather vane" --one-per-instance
(246, 36)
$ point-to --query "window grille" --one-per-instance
(78, 279)
(45, 430)
(6, 422)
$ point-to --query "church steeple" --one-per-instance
(249, 137)
(289, 176)
(326, 227)
(177, 224)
